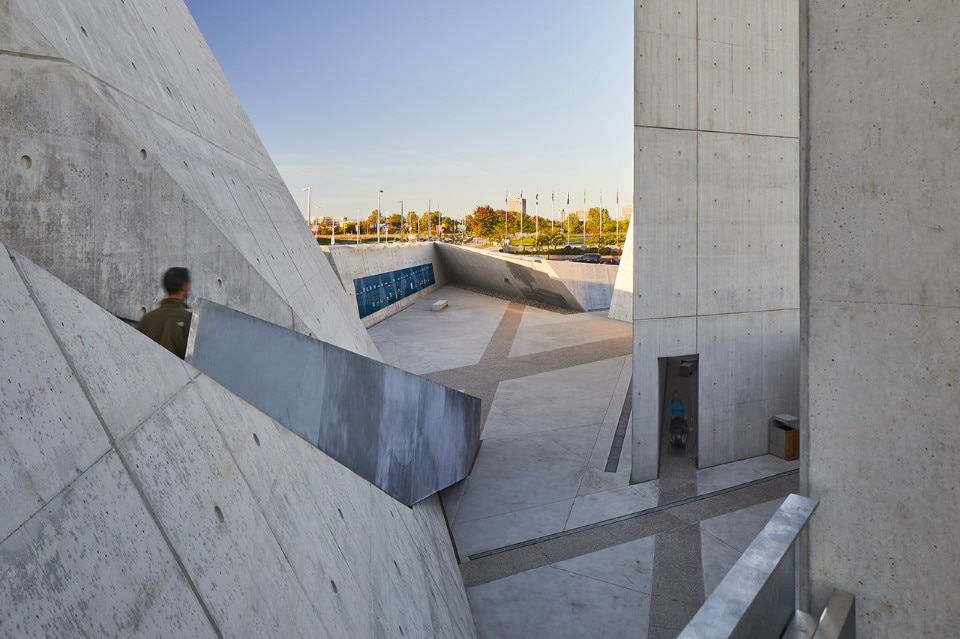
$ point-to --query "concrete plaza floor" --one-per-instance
(553, 539)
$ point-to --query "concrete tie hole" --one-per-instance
(26, 162)
(84, 32)
(340, 512)
(218, 513)
(219, 283)
(333, 585)
(256, 440)
(143, 154)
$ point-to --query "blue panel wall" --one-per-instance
(376, 292)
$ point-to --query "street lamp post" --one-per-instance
(307, 189)
(402, 219)
(379, 193)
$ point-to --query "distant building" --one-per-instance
(517, 205)
(626, 211)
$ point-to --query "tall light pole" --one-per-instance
(358, 226)
(307, 189)
(403, 220)
(429, 220)
(379, 193)
(439, 224)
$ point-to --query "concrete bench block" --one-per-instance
(439, 305)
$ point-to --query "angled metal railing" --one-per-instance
(409, 436)
(758, 596)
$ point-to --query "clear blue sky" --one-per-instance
(455, 102)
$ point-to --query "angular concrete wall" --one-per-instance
(523, 279)
(124, 152)
(716, 228)
(621, 302)
(140, 497)
(882, 312)
(355, 261)
(591, 284)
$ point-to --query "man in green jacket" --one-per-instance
(169, 324)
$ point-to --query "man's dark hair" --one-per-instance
(175, 279)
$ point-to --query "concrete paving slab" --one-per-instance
(576, 396)
(494, 532)
(424, 341)
(718, 559)
(738, 529)
(585, 328)
(608, 504)
(628, 565)
(517, 473)
(568, 605)
(580, 440)
(741, 472)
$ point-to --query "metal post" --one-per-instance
(379, 192)
(307, 189)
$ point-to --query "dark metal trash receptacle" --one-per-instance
(785, 437)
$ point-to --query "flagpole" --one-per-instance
(584, 219)
(553, 216)
(506, 207)
(537, 200)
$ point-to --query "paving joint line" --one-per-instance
(642, 513)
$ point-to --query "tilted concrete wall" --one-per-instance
(591, 284)
(125, 152)
(621, 302)
(520, 278)
(355, 261)
(716, 224)
(882, 312)
(140, 497)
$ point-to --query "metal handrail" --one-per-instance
(758, 596)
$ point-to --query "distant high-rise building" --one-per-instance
(517, 205)
(626, 211)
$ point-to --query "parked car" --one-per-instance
(589, 258)
(610, 260)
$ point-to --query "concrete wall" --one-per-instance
(355, 261)
(716, 228)
(621, 301)
(520, 278)
(141, 498)
(882, 312)
(591, 284)
(124, 152)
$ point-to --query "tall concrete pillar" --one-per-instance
(716, 225)
(882, 311)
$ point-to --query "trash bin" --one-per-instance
(785, 437)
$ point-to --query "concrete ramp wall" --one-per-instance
(352, 262)
(139, 497)
(591, 284)
(125, 152)
(621, 302)
(523, 279)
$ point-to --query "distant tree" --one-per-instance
(572, 223)
(395, 221)
(594, 219)
(486, 223)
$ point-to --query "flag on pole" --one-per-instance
(551, 197)
(568, 198)
(618, 197)
(536, 199)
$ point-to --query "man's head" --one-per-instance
(176, 281)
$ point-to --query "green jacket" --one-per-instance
(168, 325)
